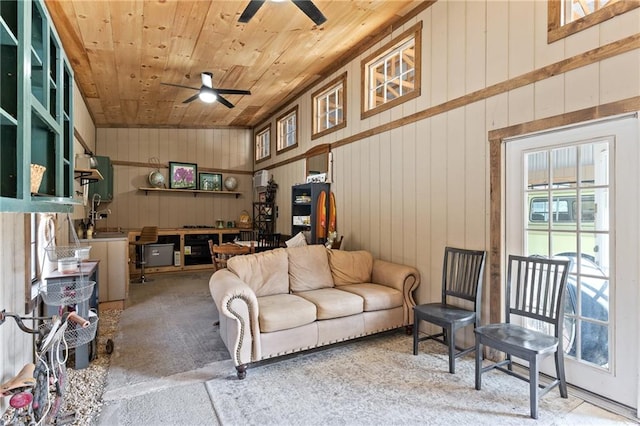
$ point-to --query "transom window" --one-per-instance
(576, 9)
(392, 74)
(287, 130)
(329, 107)
(566, 17)
(263, 143)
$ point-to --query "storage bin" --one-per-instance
(159, 254)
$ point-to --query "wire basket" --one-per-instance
(64, 252)
(75, 335)
(61, 293)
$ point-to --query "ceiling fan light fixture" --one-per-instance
(207, 96)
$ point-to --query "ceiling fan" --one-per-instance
(306, 6)
(209, 94)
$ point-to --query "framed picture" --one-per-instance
(182, 175)
(210, 181)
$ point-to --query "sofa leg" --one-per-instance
(242, 371)
(408, 330)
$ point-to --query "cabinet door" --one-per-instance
(99, 252)
(104, 187)
(118, 271)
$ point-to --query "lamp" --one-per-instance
(207, 95)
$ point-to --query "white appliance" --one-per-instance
(260, 179)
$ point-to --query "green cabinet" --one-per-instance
(36, 110)
(103, 187)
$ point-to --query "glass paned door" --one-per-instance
(567, 214)
(575, 193)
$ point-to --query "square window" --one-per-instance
(329, 107)
(391, 75)
(566, 17)
(263, 143)
(287, 128)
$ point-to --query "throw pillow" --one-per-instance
(350, 267)
(296, 241)
(309, 268)
(265, 273)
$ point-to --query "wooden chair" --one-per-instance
(462, 274)
(267, 242)
(337, 243)
(535, 291)
(221, 253)
(248, 235)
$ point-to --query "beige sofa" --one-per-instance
(289, 300)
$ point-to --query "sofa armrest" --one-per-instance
(403, 278)
(237, 302)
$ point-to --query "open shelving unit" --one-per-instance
(36, 110)
(195, 192)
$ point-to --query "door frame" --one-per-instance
(497, 140)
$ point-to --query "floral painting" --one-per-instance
(183, 175)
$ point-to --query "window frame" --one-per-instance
(556, 31)
(261, 131)
(33, 270)
(281, 134)
(414, 33)
(332, 86)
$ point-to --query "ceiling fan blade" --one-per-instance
(224, 102)
(207, 79)
(191, 99)
(250, 10)
(233, 92)
(179, 85)
(311, 11)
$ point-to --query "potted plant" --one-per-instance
(272, 187)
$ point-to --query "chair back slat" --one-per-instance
(535, 288)
(462, 274)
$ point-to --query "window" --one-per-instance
(330, 107)
(287, 130)
(568, 17)
(34, 261)
(391, 75)
(263, 143)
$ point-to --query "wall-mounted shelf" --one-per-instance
(87, 176)
(195, 192)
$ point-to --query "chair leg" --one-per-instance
(560, 373)
(416, 327)
(451, 344)
(533, 386)
(478, 364)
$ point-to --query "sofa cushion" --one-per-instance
(284, 311)
(266, 273)
(333, 303)
(309, 268)
(350, 267)
(376, 297)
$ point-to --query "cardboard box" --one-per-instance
(159, 254)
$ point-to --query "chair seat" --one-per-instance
(443, 314)
(515, 338)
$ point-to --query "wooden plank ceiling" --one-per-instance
(121, 50)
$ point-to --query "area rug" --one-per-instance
(378, 381)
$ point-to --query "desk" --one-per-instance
(86, 353)
(190, 246)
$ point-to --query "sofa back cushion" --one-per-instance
(309, 268)
(350, 267)
(266, 273)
